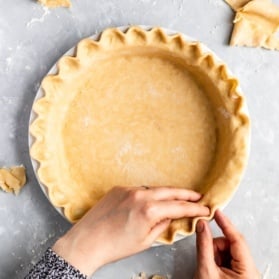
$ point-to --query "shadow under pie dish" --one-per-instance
(134, 107)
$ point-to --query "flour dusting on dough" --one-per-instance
(224, 112)
(86, 121)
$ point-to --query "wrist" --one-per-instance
(72, 251)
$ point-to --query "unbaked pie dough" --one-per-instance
(256, 24)
(139, 108)
(55, 3)
(237, 4)
(144, 276)
(12, 179)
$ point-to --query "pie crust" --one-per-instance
(140, 107)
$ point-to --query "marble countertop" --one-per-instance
(32, 38)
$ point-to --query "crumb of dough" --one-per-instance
(237, 4)
(142, 275)
(255, 24)
(55, 3)
(12, 179)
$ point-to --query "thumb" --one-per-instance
(205, 249)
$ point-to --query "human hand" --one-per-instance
(126, 221)
(223, 257)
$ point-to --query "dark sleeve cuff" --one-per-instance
(52, 266)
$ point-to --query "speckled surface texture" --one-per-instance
(32, 38)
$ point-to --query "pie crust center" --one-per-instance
(147, 122)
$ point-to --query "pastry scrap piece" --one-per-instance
(55, 3)
(237, 4)
(256, 24)
(12, 179)
(140, 107)
(144, 276)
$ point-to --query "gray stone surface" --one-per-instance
(32, 38)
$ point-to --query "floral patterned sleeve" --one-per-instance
(52, 266)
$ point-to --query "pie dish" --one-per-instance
(136, 107)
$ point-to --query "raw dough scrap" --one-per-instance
(12, 179)
(137, 108)
(55, 3)
(144, 276)
(255, 24)
(237, 4)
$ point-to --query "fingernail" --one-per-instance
(199, 227)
